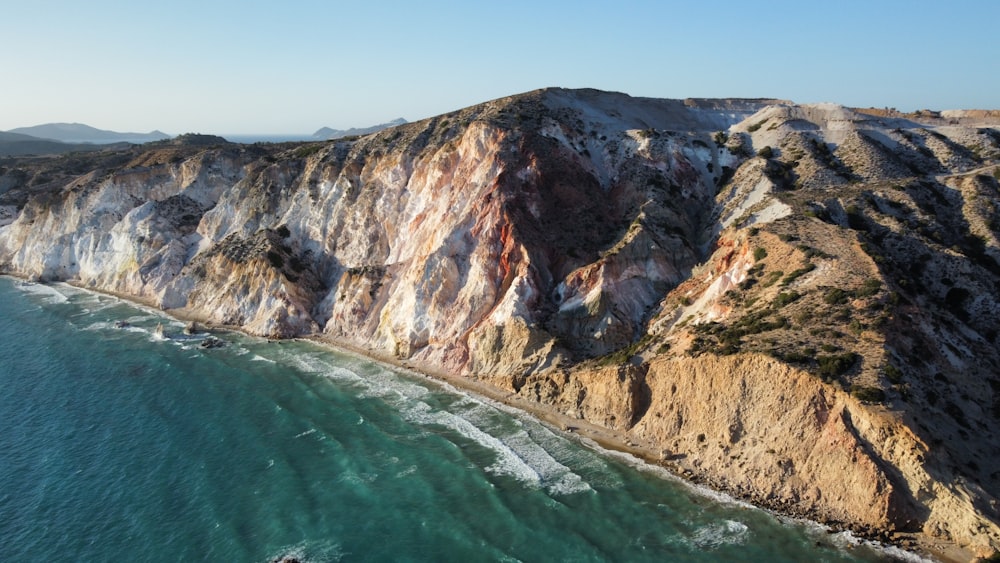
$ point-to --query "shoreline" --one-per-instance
(913, 546)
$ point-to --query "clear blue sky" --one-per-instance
(292, 66)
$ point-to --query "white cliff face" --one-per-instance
(422, 241)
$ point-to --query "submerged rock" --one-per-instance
(212, 342)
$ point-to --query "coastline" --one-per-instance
(909, 546)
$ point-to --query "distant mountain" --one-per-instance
(6, 137)
(326, 133)
(80, 133)
(18, 144)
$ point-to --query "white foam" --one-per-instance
(259, 358)
(663, 473)
(555, 477)
(47, 292)
(507, 461)
(306, 433)
(311, 552)
(727, 532)
(406, 472)
(846, 540)
(518, 454)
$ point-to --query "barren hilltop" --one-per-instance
(797, 304)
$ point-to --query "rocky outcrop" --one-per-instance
(795, 303)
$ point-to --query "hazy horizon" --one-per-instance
(256, 68)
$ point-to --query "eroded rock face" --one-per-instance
(626, 261)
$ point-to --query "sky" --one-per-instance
(291, 67)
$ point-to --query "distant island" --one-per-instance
(80, 133)
(326, 133)
(62, 138)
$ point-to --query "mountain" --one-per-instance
(80, 133)
(796, 304)
(325, 133)
(16, 144)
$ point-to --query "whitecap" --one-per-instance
(47, 292)
(507, 461)
(407, 472)
(727, 532)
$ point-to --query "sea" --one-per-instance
(122, 443)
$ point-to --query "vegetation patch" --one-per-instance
(892, 373)
(792, 276)
(835, 365)
(786, 297)
(868, 394)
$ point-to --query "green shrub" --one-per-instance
(771, 278)
(835, 365)
(892, 373)
(786, 297)
(766, 152)
(307, 150)
(797, 274)
(835, 296)
(759, 254)
(869, 288)
(868, 394)
(792, 357)
(755, 126)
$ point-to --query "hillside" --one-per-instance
(80, 133)
(326, 133)
(797, 304)
(17, 144)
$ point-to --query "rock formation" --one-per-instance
(797, 304)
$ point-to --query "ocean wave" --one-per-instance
(48, 293)
(722, 533)
(517, 453)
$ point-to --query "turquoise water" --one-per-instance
(119, 445)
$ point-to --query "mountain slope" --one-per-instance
(80, 133)
(327, 134)
(794, 303)
(17, 144)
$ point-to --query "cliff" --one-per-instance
(794, 303)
